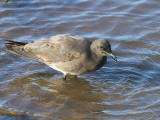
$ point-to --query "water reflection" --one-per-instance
(50, 96)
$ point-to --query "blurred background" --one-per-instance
(127, 90)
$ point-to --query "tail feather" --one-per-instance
(17, 48)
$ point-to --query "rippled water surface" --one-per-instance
(127, 90)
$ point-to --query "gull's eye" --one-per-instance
(101, 47)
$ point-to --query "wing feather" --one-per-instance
(59, 48)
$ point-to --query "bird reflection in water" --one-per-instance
(77, 96)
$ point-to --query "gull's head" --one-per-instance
(102, 47)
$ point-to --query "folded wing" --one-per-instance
(60, 48)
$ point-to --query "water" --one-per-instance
(127, 90)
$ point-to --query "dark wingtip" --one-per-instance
(10, 42)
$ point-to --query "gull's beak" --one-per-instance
(113, 56)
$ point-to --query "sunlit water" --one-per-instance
(127, 90)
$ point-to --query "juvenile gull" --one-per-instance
(69, 54)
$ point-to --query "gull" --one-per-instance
(69, 54)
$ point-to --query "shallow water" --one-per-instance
(127, 90)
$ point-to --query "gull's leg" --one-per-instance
(65, 77)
